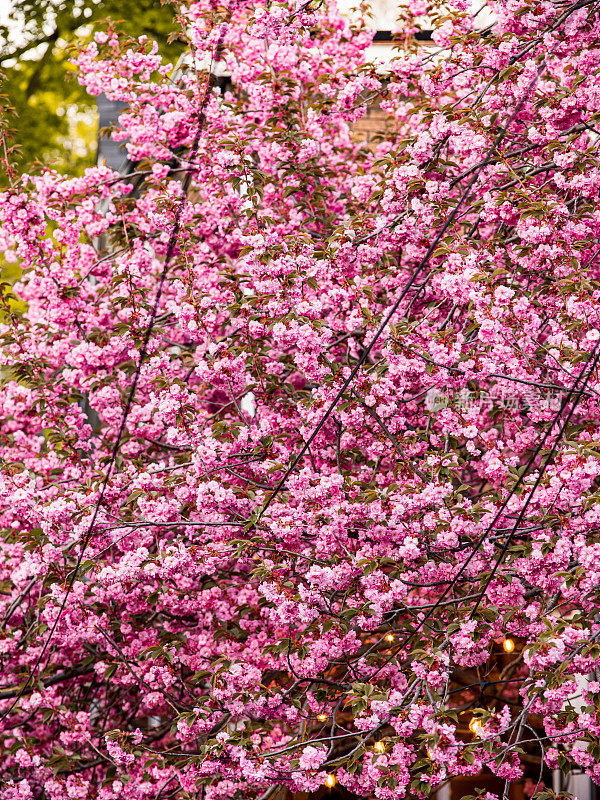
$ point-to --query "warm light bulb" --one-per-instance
(390, 637)
(476, 727)
(321, 717)
(429, 754)
(330, 780)
(379, 747)
(508, 645)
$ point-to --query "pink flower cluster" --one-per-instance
(417, 597)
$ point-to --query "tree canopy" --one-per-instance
(300, 443)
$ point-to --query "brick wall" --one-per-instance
(375, 121)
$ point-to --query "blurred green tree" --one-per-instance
(48, 117)
(51, 119)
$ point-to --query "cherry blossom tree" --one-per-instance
(300, 437)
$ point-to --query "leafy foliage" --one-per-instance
(52, 117)
(300, 448)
